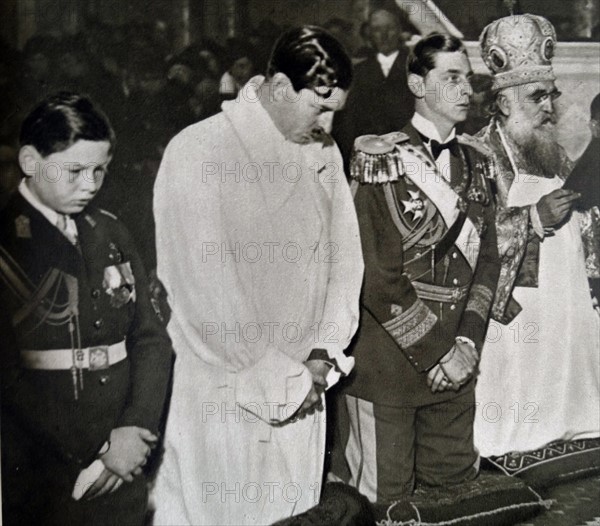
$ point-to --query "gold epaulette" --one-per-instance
(376, 158)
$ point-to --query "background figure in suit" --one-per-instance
(85, 362)
(427, 229)
(378, 101)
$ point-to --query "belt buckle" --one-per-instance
(79, 358)
(99, 358)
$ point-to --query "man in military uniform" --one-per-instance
(427, 229)
(85, 361)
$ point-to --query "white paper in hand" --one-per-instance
(86, 478)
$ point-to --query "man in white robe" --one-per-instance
(259, 251)
(540, 368)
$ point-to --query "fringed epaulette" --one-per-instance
(376, 158)
(477, 144)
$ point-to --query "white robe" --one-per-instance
(259, 251)
(539, 379)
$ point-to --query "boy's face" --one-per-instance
(67, 181)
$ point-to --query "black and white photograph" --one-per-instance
(300, 262)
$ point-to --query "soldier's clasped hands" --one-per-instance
(454, 369)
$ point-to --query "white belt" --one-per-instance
(92, 358)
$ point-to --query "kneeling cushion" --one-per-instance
(490, 500)
(340, 505)
(553, 464)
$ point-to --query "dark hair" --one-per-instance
(188, 57)
(337, 22)
(595, 108)
(421, 60)
(401, 15)
(365, 30)
(41, 44)
(311, 57)
(61, 120)
(237, 48)
(391, 8)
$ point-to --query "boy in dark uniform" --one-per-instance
(85, 361)
(427, 229)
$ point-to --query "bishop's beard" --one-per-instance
(536, 147)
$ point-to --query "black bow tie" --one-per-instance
(437, 148)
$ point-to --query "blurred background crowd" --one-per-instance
(149, 93)
(152, 79)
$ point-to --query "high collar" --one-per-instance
(251, 120)
(427, 128)
(48, 213)
(70, 227)
(263, 142)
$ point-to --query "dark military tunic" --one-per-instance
(427, 281)
(56, 295)
(398, 360)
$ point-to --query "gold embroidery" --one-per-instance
(480, 299)
(408, 328)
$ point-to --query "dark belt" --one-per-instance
(444, 245)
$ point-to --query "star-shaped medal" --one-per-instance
(415, 205)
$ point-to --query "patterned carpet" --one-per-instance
(576, 503)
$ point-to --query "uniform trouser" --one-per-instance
(125, 507)
(37, 486)
(384, 451)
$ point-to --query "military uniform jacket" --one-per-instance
(408, 245)
(55, 296)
